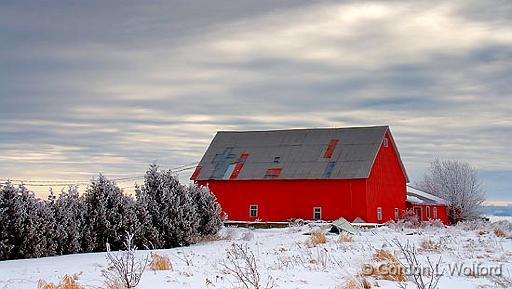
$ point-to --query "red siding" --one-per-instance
(279, 200)
(441, 211)
(386, 186)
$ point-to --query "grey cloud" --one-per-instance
(96, 86)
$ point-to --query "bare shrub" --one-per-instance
(241, 263)
(68, 282)
(295, 225)
(473, 225)
(501, 280)
(409, 219)
(123, 267)
(160, 262)
(433, 223)
(317, 237)
(422, 279)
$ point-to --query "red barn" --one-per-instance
(306, 173)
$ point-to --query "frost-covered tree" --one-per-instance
(109, 215)
(459, 184)
(9, 223)
(26, 223)
(171, 209)
(69, 210)
(149, 233)
(208, 210)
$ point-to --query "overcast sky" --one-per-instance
(97, 86)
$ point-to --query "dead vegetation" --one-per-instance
(500, 233)
(426, 278)
(68, 282)
(124, 268)
(501, 280)
(388, 267)
(344, 238)
(356, 282)
(429, 245)
(241, 263)
(316, 238)
(160, 262)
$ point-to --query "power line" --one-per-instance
(49, 183)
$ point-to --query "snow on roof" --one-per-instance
(420, 197)
(412, 199)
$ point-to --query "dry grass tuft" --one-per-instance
(429, 245)
(390, 268)
(358, 282)
(160, 263)
(500, 233)
(384, 255)
(317, 237)
(344, 238)
(68, 282)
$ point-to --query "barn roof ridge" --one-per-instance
(303, 129)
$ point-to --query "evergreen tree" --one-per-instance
(172, 212)
(208, 210)
(25, 224)
(109, 215)
(8, 223)
(70, 213)
(149, 234)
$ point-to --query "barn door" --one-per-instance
(417, 211)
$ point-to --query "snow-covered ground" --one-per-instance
(284, 255)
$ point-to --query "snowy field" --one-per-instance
(284, 257)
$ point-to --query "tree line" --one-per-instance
(162, 214)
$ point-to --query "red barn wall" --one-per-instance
(279, 200)
(441, 211)
(386, 186)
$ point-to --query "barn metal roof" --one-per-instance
(420, 197)
(298, 153)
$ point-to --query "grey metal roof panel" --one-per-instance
(301, 152)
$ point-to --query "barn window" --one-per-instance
(317, 213)
(435, 212)
(379, 213)
(277, 160)
(385, 142)
(428, 212)
(396, 213)
(253, 211)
